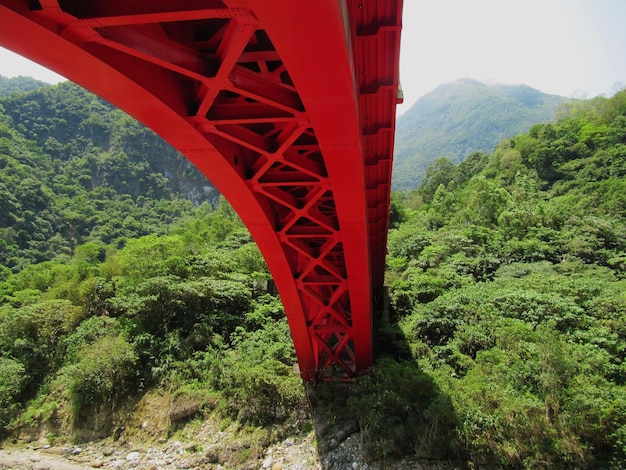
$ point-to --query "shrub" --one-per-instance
(33, 335)
(400, 411)
(103, 374)
(260, 393)
(12, 381)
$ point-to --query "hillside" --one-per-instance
(20, 84)
(459, 118)
(74, 169)
(509, 286)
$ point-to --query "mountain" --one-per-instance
(19, 84)
(462, 117)
(74, 169)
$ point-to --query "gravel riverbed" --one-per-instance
(297, 453)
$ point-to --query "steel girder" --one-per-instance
(268, 98)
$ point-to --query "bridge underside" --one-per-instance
(287, 107)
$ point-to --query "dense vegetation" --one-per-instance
(508, 279)
(121, 272)
(9, 86)
(73, 170)
(461, 117)
(188, 312)
(507, 276)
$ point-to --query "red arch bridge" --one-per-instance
(287, 106)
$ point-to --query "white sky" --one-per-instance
(565, 47)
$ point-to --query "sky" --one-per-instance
(565, 47)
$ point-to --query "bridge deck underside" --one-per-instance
(287, 107)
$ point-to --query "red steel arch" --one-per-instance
(288, 107)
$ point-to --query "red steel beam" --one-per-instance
(377, 25)
(267, 98)
(325, 79)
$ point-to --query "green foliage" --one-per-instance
(104, 372)
(259, 391)
(120, 269)
(76, 170)
(20, 84)
(150, 256)
(507, 276)
(190, 400)
(251, 379)
(186, 310)
(12, 383)
(509, 287)
(33, 334)
(401, 411)
(87, 333)
(523, 402)
(439, 173)
(256, 375)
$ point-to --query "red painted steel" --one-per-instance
(288, 107)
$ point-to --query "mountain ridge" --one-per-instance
(461, 117)
(21, 84)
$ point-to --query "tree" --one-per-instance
(440, 172)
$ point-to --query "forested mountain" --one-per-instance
(19, 85)
(459, 118)
(74, 169)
